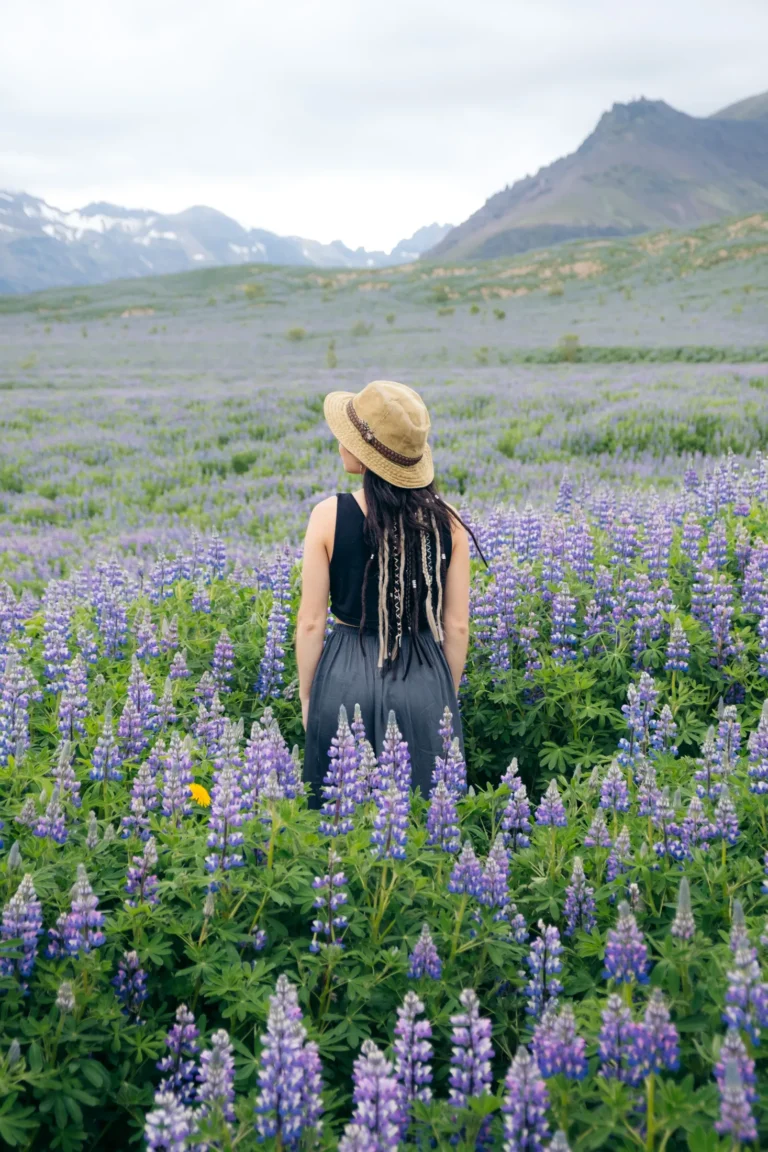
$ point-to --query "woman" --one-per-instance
(395, 559)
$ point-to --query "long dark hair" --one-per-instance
(405, 529)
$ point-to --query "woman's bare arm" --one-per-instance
(315, 585)
(456, 605)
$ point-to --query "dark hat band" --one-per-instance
(367, 435)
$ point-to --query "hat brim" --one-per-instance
(402, 476)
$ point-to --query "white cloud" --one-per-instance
(342, 119)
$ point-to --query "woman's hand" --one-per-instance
(304, 713)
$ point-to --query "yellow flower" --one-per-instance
(200, 794)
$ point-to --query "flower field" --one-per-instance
(565, 946)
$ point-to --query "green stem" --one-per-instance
(650, 1118)
(457, 929)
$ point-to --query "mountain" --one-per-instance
(45, 247)
(753, 108)
(645, 166)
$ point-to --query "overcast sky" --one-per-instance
(351, 119)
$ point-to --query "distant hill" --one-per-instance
(44, 247)
(645, 166)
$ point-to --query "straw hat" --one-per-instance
(385, 426)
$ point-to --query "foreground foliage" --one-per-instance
(569, 942)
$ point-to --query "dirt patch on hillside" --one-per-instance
(491, 293)
(521, 270)
(655, 243)
(374, 286)
(137, 312)
(582, 269)
(440, 273)
(748, 224)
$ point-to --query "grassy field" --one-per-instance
(134, 411)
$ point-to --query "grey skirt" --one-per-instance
(348, 674)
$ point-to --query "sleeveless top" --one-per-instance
(350, 556)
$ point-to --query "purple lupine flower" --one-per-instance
(394, 761)
(169, 633)
(614, 794)
(708, 770)
(443, 820)
(225, 820)
(358, 730)
(663, 818)
(22, 921)
(617, 1042)
(341, 786)
(52, 824)
(678, 649)
(726, 825)
(377, 1098)
(551, 810)
(445, 730)
(746, 997)
(58, 606)
(734, 1048)
(166, 709)
(626, 953)
(579, 907)
(620, 857)
(563, 634)
(544, 965)
(64, 775)
(223, 661)
(368, 770)
(728, 740)
(640, 706)
(130, 730)
(736, 1116)
(144, 797)
(516, 819)
(557, 1046)
(467, 875)
(179, 1066)
(177, 777)
(146, 637)
(130, 986)
(141, 882)
(684, 926)
(695, 829)
(413, 1052)
(209, 727)
(179, 669)
(216, 1078)
(288, 1103)
(331, 896)
(525, 1105)
(472, 1052)
(648, 791)
(662, 1040)
(424, 959)
(758, 754)
(455, 769)
(73, 704)
(140, 692)
(494, 891)
(390, 824)
(598, 835)
(80, 929)
(201, 597)
(272, 667)
(170, 1124)
(106, 759)
(664, 733)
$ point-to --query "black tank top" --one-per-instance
(350, 556)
